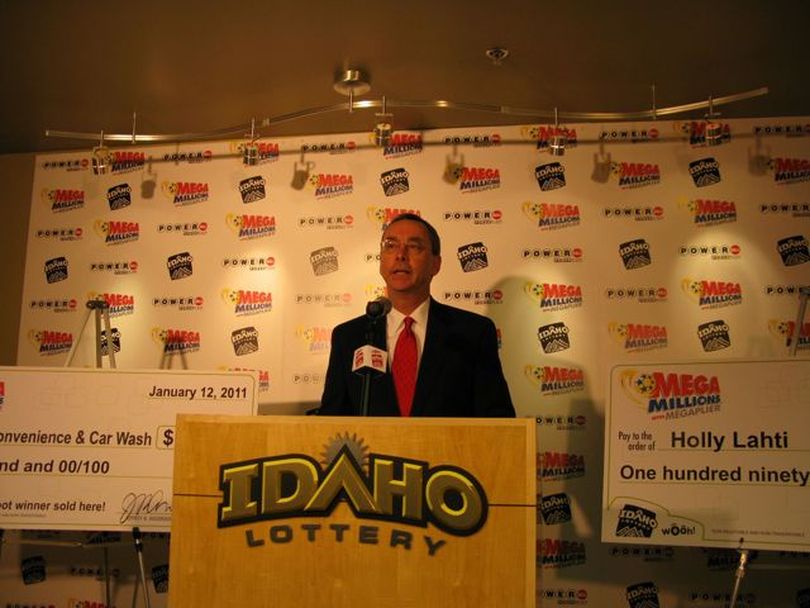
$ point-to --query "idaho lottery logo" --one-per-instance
(555, 380)
(63, 199)
(555, 509)
(635, 175)
(643, 595)
(246, 302)
(714, 335)
(705, 172)
(552, 216)
(185, 193)
(670, 395)
(245, 341)
(56, 269)
(793, 250)
(478, 179)
(119, 196)
(712, 294)
(330, 185)
(550, 176)
(635, 254)
(710, 212)
(248, 227)
(554, 296)
(48, 342)
(117, 232)
(316, 339)
(635, 521)
(638, 337)
(554, 337)
(252, 189)
(177, 340)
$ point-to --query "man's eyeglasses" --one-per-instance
(412, 247)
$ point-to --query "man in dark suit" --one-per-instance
(443, 361)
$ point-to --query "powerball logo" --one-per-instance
(669, 395)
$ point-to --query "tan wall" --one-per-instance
(16, 177)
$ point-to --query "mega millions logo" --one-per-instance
(177, 340)
(714, 335)
(48, 342)
(550, 176)
(331, 185)
(543, 134)
(556, 553)
(638, 337)
(248, 227)
(705, 172)
(382, 216)
(324, 261)
(785, 332)
(477, 217)
(119, 196)
(473, 256)
(268, 151)
(116, 232)
(245, 341)
(667, 395)
(180, 265)
(553, 380)
(636, 175)
(63, 199)
(442, 495)
(554, 337)
(403, 144)
(478, 179)
(56, 269)
(635, 254)
(395, 181)
(790, 170)
(126, 162)
(555, 509)
(119, 304)
(709, 212)
(712, 294)
(643, 595)
(185, 193)
(559, 466)
(696, 131)
(551, 216)
(793, 250)
(317, 339)
(252, 189)
(636, 522)
(248, 302)
(554, 296)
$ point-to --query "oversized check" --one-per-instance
(87, 449)
(712, 454)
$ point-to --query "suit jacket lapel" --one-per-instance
(430, 365)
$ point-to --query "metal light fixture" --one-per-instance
(559, 140)
(713, 133)
(250, 150)
(384, 127)
(101, 157)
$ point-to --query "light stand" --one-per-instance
(100, 308)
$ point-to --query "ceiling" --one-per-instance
(181, 66)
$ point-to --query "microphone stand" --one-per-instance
(136, 537)
(366, 387)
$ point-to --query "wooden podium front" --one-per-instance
(315, 512)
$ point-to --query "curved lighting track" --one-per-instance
(242, 129)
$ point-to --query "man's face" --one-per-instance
(407, 263)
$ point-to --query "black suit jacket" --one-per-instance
(459, 375)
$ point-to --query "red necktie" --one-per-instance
(404, 367)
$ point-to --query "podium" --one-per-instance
(309, 512)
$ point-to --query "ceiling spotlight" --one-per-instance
(250, 150)
(383, 128)
(102, 158)
(559, 140)
(497, 54)
(713, 133)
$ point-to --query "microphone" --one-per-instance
(377, 309)
(369, 360)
